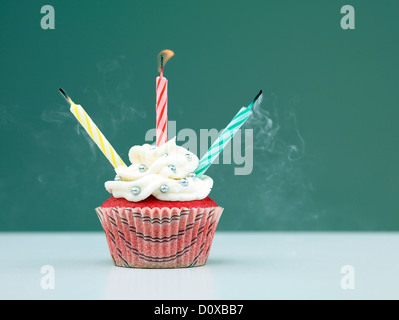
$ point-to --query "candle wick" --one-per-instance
(65, 95)
(255, 99)
(161, 66)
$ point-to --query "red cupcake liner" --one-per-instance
(159, 237)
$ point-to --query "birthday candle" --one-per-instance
(162, 110)
(162, 99)
(224, 138)
(93, 131)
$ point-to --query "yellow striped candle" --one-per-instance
(94, 133)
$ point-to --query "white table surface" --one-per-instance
(261, 265)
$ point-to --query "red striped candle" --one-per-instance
(161, 109)
(162, 99)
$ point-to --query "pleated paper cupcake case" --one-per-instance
(159, 238)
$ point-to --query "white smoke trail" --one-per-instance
(282, 187)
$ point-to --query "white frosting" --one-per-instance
(159, 162)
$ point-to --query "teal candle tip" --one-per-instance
(255, 99)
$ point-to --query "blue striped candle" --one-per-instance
(225, 137)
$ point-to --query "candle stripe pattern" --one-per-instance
(222, 141)
(96, 135)
(161, 110)
(224, 138)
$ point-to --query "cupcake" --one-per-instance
(160, 214)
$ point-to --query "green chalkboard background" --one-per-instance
(326, 147)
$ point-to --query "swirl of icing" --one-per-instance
(164, 172)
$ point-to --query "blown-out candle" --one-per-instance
(93, 131)
(224, 138)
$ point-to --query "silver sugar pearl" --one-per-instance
(172, 168)
(117, 178)
(142, 167)
(189, 157)
(152, 147)
(135, 191)
(164, 188)
(165, 155)
(192, 175)
(184, 182)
